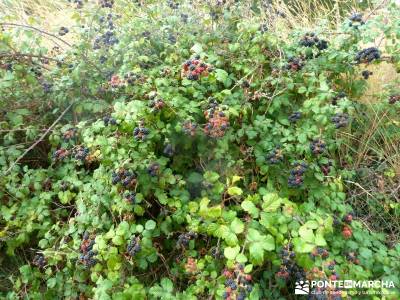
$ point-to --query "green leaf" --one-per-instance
(150, 225)
(167, 284)
(306, 234)
(237, 226)
(235, 191)
(231, 252)
(271, 202)
(241, 258)
(249, 207)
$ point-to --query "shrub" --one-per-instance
(218, 172)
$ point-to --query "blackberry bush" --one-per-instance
(127, 174)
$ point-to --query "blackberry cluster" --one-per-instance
(78, 3)
(356, 19)
(337, 97)
(131, 77)
(194, 68)
(245, 84)
(191, 265)
(289, 267)
(157, 104)
(173, 4)
(87, 253)
(326, 168)
(80, 153)
(317, 146)
(217, 123)
(153, 169)
(394, 98)
(347, 232)
(63, 31)
(184, 239)
(134, 246)
(70, 134)
(319, 251)
(296, 174)
(106, 3)
(189, 128)
(60, 154)
(47, 87)
(340, 120)
(127, 178)
(107, 38)
(39, 261)
(294, 64)
(368, 55)
(275, 156)
(311, 40)
(141, 132)
(116, 81)
(109, 121)
(365, 74)
(238, 284)
(169, 150)
(352, 257)
(348, 218)
(130, 197)
(294, 117)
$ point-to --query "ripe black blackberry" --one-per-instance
(337, 97)
(340, 120)
(368, 55)
(294, 64)
(184, 239)
(106, 3)
(296, 179)
(87, 252)
(153, 169)
(365, 74)
(134, 246)
(356, 17)
(47, 87)
(63, 31)
(156, 105)
(80, 153)
(109, 121)
(141, 133)
(317, 146)
(275, 156)
(294, 117)
(394, 98)
(39, 261)
(311, 40)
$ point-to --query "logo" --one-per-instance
(302, 287)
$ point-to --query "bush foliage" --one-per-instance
(194, 154)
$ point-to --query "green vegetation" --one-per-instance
(177, 150)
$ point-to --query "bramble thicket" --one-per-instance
(188, 150)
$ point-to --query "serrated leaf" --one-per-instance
(250, 208)
(231, 252)
(237, 226)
